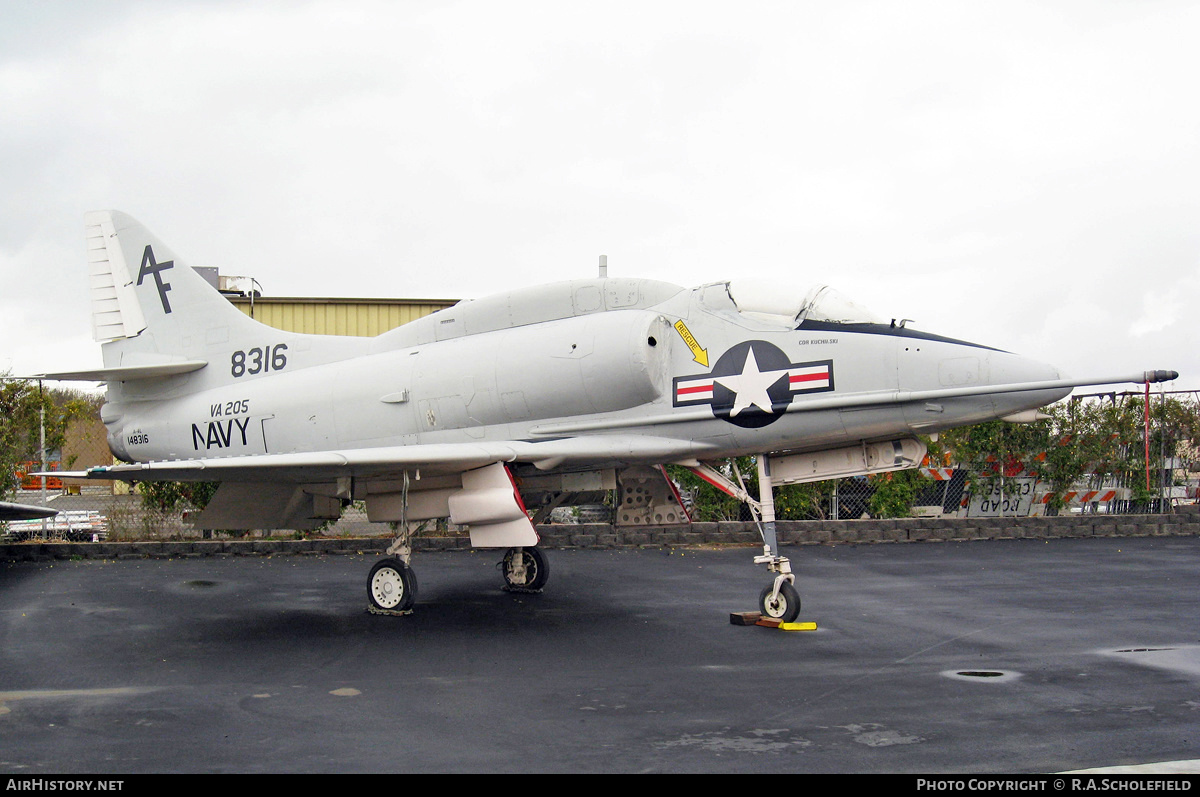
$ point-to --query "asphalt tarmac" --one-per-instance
(1009, 656)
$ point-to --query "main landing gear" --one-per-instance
(524, 569)
(392, 584)
(391, 587)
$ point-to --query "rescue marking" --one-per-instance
(699, 354)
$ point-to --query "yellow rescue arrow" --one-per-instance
(698, 354)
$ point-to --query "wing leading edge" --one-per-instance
(598, 450)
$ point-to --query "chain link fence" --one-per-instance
(1112, 453)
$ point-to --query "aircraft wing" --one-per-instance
(594, 450)
(280, 490)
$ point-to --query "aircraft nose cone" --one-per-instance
(1025, 369)
(1014, 369)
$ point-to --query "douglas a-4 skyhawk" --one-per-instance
(495, 406)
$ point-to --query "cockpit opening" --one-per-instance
(772, 302)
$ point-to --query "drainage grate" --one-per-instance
(983, 676)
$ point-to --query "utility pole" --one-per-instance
(42, 446)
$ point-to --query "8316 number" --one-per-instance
(259, 361)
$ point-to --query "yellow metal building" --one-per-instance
(315, 315)
(324, 316)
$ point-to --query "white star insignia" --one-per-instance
(751, 386)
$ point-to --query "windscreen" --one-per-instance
(794, 305)
(825, 304)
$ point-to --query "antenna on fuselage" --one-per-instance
(603, 267)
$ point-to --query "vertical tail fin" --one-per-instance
(115, 310)
(151, 310)
(143, 292)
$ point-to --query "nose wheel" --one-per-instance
(780, 601)
(391, 587)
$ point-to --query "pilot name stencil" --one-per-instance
(752, 384)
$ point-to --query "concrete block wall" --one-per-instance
(791, 533)
(833, 532)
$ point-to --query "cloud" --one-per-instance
(1023, 175)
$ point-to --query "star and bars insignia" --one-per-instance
(752, 384)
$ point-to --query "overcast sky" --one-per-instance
(1024, 175)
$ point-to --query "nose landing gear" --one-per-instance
(779, 600)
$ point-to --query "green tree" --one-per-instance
(21, 406)
(171, 497)
(1083, 442)
(708, 503)
(808, 501)
(896, 492)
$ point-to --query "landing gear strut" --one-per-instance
(779, 600)
(525, 570)
(392, 584)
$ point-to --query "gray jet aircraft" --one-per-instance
(481, 411)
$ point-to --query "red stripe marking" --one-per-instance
(714, 483)
(697, 389)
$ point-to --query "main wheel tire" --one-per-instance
(392, 586)
(785, 607)
(537, 569)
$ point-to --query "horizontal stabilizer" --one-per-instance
(126, 373)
